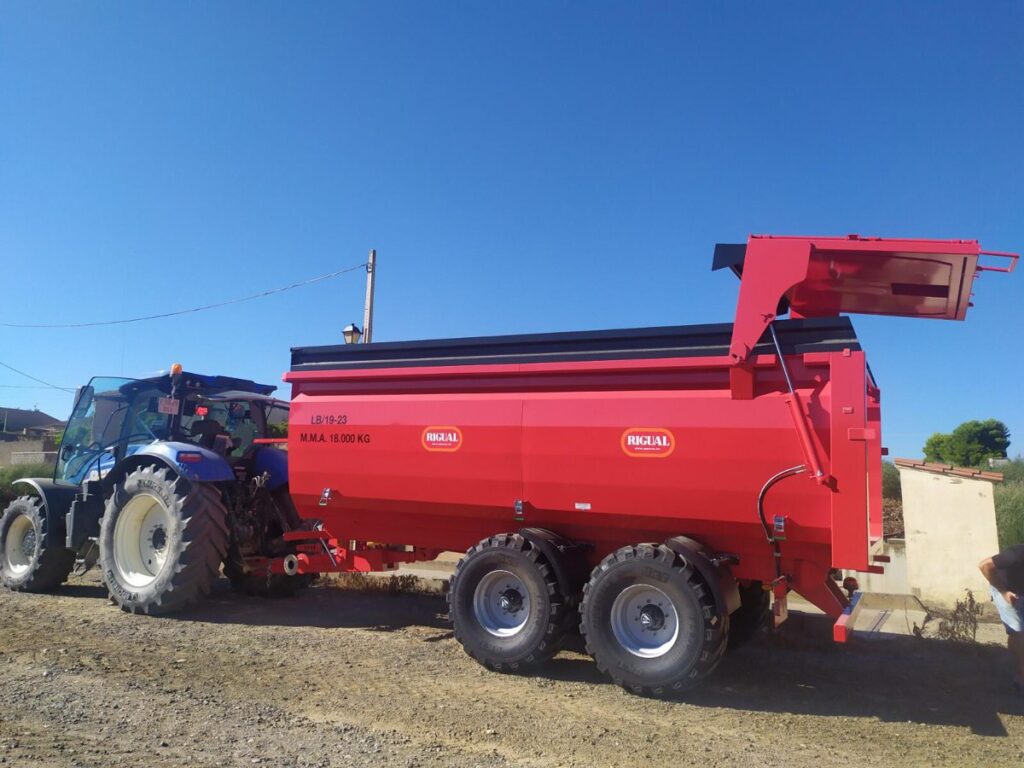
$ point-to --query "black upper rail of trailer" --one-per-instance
(828, 334)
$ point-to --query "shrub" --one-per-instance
(891, 488)
(8, 475)
(1012, 472)
(1009, 498)
(962, 624)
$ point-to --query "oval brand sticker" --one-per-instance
(650, 442)
(445, 439)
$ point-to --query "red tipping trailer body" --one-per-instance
(612, 438)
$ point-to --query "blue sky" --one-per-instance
(519, 167)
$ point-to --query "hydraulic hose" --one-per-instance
(776, 549)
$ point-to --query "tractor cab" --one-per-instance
(116, 418)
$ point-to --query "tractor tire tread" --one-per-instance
(52, 564)
(199, 511)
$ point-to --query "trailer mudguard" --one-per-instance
(564, 556)
(719, 578)
(57, 499)
(191, 462)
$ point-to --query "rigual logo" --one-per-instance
(443, 439)
(648, 442)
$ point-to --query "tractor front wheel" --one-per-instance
(29, 560)
(161, 541)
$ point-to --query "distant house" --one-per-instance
(18, 423)
(28, 437)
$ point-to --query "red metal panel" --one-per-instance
(771, 268)
(874, 459)
(848, 382)
(826, 276)
(574, 450)
(371, 451)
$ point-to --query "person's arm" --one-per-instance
(997, 579)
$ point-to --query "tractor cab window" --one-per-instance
(91, 436)
(144, 423)
(223, 425)
(277, 421)
(241, 426)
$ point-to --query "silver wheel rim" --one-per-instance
(140, 540)
(20, 546)
(501, 604)
(644, 621)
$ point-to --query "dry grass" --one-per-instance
(396, 584)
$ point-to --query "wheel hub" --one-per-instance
(28, 544)
(652, 618)
(158, 539)
(501, 603)
(644, 621)
(511, 601)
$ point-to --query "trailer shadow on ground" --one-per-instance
(797, 670)
(325, 607)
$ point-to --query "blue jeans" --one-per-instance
(1012, 615)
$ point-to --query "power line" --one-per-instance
(203, 308)
(25, 386)
(30, 376)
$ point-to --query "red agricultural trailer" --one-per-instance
(652, 487)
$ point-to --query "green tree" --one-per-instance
(935, 447)
(970, 444)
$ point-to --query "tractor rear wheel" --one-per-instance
(161, 541)
(29, 560)
(650, 621)
(505, 605)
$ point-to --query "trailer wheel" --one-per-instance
(30, 561)
(505, 606)
(650, 621)
(745, 621)
(161, 546)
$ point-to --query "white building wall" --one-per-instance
(950, 526)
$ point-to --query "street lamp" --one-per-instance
(351, 333)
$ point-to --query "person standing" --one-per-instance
(1005, 573)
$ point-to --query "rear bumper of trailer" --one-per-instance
(842, 630)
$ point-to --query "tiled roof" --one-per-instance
(18, 419)
(949, 469)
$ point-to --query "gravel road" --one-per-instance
(338, 677)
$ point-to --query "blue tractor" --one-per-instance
(164, 482)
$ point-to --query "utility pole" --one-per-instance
(371, 274)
